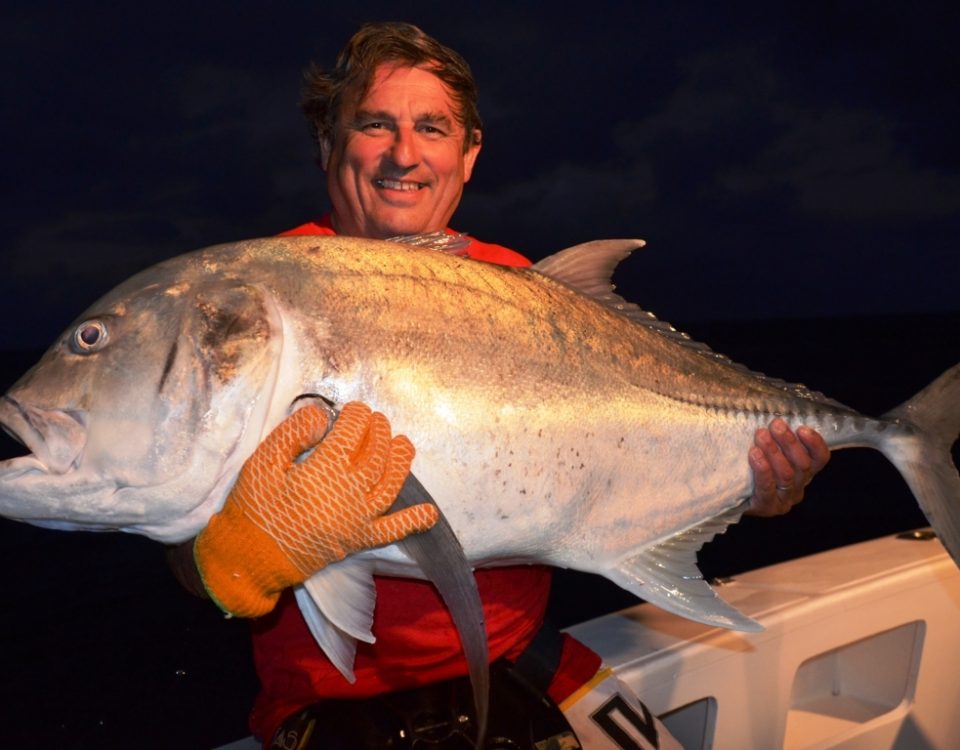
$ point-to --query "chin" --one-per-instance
(401, 222)
(396, 230)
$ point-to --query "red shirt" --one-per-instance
(416, 640)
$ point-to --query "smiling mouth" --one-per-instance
(402, 185)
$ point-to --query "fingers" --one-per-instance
(360, 445)
(396, 526)
(783, 464)
(360, 442)
(348, 432)
(297, 433)
(764, 499)
(395, 474)
(817, 448)
(370, 457)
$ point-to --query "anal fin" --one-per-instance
(667, 575)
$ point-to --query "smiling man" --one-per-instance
(400, 157)
(398, 134)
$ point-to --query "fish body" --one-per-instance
(554, 422)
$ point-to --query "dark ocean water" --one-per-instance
(101, 649)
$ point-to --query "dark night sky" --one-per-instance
(794, 163)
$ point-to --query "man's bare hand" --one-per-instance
(783, 464)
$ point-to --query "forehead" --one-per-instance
(400, 89)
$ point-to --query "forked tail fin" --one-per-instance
(922, 453)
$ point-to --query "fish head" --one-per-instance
(139, 415)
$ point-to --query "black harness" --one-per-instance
(441, 716)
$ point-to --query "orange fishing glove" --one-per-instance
(283, 521)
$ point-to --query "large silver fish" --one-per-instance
(554, 422)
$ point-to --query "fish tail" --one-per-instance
(922, 453)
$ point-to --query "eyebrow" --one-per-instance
(438, 118)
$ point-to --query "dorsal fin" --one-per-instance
(452, 244)
(588, 269)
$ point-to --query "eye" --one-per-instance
(90, 336)
(374, 126)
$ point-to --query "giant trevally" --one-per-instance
(554, 422)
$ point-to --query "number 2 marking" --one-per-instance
(643, 724)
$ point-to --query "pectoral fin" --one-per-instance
(337, 603)
(441, 558)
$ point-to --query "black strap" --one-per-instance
(539, 661)
(432, 717)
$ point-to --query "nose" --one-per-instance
(405, 151)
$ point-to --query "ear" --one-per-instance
(471, 154)
(325, 149)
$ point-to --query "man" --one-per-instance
(398, 135)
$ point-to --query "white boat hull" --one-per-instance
(861, 650)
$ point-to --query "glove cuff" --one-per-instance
(241, 566)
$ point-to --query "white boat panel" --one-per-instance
(860, 650)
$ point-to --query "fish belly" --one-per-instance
(554, 484)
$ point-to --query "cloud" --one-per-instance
(568, 203)
(845, 164)
(754, 137)
(742, 178)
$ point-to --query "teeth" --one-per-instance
(398, 184)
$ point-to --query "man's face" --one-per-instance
(397, 163)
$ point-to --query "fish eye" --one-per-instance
(90, 336)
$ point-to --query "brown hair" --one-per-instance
(375, 44)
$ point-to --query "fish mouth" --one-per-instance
(54, 437)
